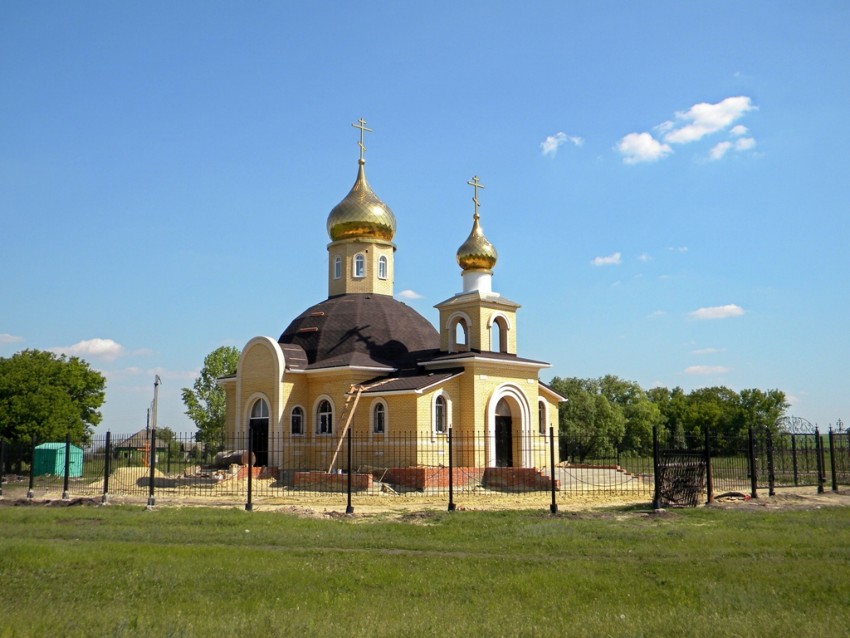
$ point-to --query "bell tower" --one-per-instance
(477, 319)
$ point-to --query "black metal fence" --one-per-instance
(448, 466)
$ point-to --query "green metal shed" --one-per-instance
(50, 459)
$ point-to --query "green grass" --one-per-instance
(124, 571)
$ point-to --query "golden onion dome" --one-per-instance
(361, 214)
(476, 253)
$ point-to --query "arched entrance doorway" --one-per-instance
(260, 432)
(504, 435)
(508, 421)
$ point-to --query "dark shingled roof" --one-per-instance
(408, 383)
(361, 330)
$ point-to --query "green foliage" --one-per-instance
(606, 416)
(205, 404)
(46, 395)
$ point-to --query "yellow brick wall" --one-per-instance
(372, 250)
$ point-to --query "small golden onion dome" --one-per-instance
(476, 253)
(361, 214)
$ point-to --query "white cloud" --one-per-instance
(719, 150)
(644, 257)
(611, 260)
(717, 312)
(704, 370)
(704, 119)
(691, 126)
(678, 249)
(642, 147)
(741, 144)
(550, 145)
(657, 314)
(5, 338)
(409, 294)
(745, 144)
(105, 349)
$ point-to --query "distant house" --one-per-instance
(137, 446)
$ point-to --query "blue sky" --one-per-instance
(666, 182)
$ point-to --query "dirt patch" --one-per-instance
(419, 509)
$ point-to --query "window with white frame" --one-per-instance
(440, 414)
(296, 421)
(260, 410)
(382, 267)
(379, 419)
(359, 265)
(324, 417)
(337, 267)
(541, 417)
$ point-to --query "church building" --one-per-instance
(362, 360)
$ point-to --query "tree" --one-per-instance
(47, 396)
(640, 414)
(205, 405)
(589, 425)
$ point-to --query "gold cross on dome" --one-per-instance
(361, 124)
(475, 185)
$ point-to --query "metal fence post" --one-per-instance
(249, 505)
(553, 506)
(151, 499)
(107, 458)
(451, 471)
(751, 445)
(832, 461)
(771, 473)
(348, 507)
(794, 457)
(67, 469)
(709, 479)
(656, 498)
(30, 491)
(819, 461)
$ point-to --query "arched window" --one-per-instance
(324, 418)
(359, 265)
(379, 419)
(541, 417)
(440, 414)
(382, 267)
(260, 410)
(461, 335)
(458, 326)
(337, 267)
(296, 421)
(499, 335)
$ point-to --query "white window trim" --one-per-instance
(337, 267)
(372, 407)
(315, 412)
(359, 273)
(448, 410)
(303, 420)
(541, 423)
(451, 326)
(383, 267)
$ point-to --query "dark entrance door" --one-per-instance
(504, 442)
(260, 441)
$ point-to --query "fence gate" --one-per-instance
(681, 477)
